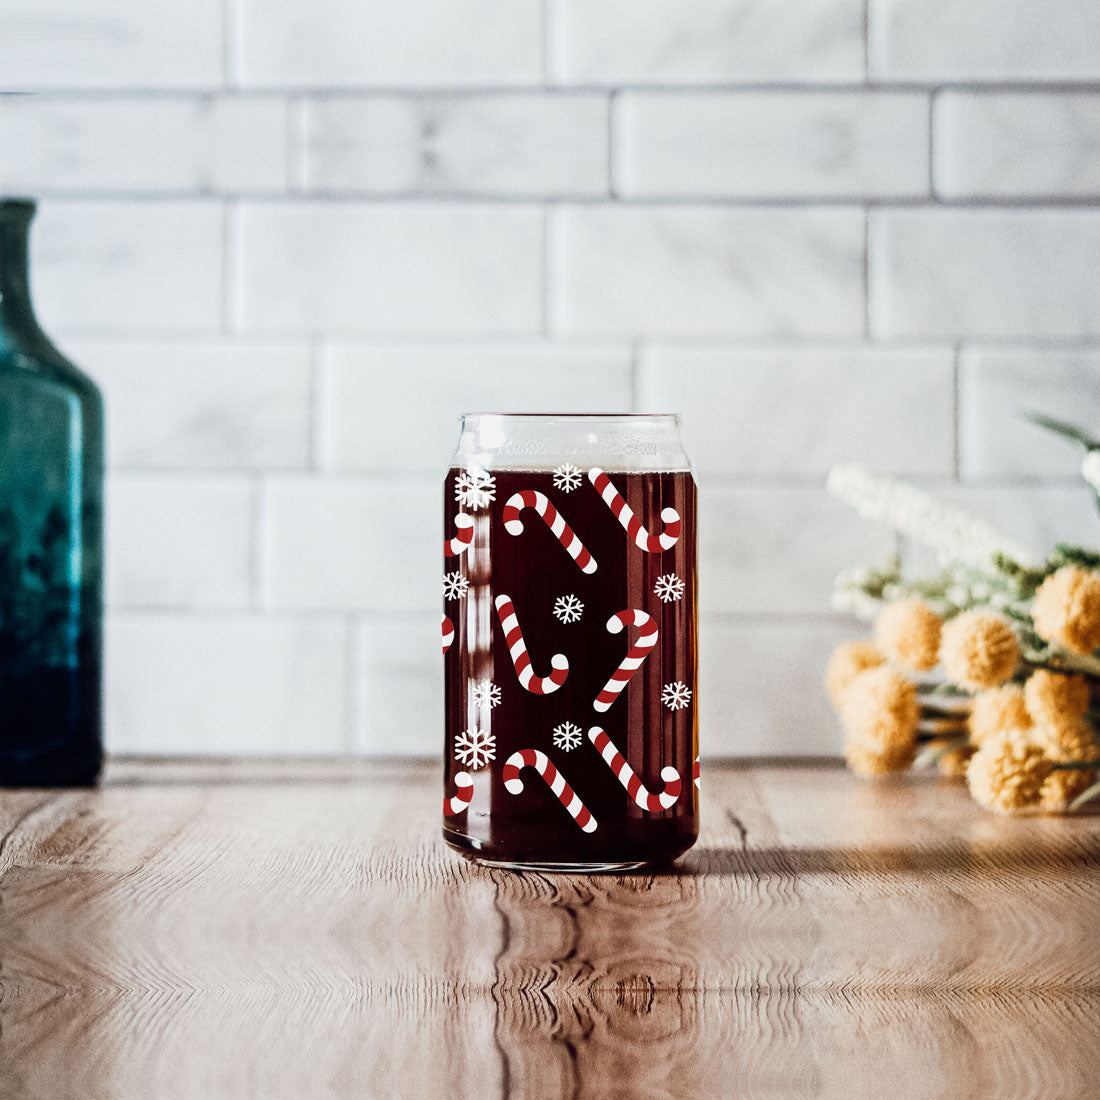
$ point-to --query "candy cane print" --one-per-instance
(532, 758)
(464, 535)
(448, 633)
(632, 616)
(529, 498)
(517, 650)
(625, 775)
(463, 794)
(695, 772)
(654, 544)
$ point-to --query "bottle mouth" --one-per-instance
(17, 207)
(539, 441)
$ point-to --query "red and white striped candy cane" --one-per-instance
(529, 498)
(695, 772)
(632, 616)
(532, 758)
(464, 535)
(448, 633)
(654, 544)
(464, 792)
(517, 650)
(624, 773)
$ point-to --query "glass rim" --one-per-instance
(635, 416)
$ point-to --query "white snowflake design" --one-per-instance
(567, 477)
(568, 609)
(669, 587)
(475, 488)
(454, 586)
(475, 748)
(676, 696)
(486, 694)
(567, 736)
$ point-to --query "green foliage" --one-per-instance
(1064, 429)
(1073, 555)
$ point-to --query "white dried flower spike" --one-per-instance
(955, 536)
(857, 603)
(1090, 469)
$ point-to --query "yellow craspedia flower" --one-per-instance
(908, 632)
(1072, 743)
(953, 762)
(1067, 609)
(1008, 772)
(849, 659)
(869, 762)
(1062, 787)
(881, 710)
(1054, 699)
(979, 650)
(997, 710)
(1067, 741)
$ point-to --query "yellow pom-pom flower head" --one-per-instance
(908, 632)
(952, 757)
(1008, 772)
(849, 659)
(998, 710)
(1066, 609)
(1054, 699)
(979, 650)
(870, 762)
(1067, 743)
(881, 709)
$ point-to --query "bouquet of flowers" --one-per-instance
(989, 667)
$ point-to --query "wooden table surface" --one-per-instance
(299, 930)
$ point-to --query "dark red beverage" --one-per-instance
(570, 616)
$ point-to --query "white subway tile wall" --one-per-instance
(292, 242)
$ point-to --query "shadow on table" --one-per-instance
(931, 860)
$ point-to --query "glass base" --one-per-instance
(557, 868)
(471, 849)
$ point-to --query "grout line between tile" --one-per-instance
(231, 267)
(614, 125)
(867, 273)
(353, 710)
(548, 43)
(933, 190)
(258, 554)
(956, 410)
(853, 85)
(318, 393)
(637, 379)
(866, 29)
(549, 257)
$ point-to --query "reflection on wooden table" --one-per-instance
(298, 929)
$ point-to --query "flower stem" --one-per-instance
(1085, 666)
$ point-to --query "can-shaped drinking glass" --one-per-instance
(570, 642)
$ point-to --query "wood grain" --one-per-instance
(299, 930)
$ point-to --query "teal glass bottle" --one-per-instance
(51, 541)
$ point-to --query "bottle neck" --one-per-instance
(18, 325)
